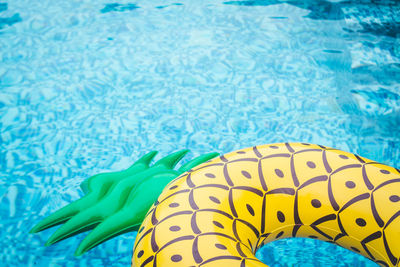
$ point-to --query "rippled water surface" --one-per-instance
(88, 86)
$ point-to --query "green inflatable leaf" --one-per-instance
(116, 202)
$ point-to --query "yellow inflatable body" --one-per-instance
(221, 212)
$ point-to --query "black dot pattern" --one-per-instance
(219, 225)
(361, 222)
(311, 164)
(254, 206)
(176, 258)
(246, 174)
(174, 205)
(220, 246)
(316, 203)
(279, 235)
(281, 216)
(250, 209)
(279, 173)
(140, 254)
(215, 200)
(210, 175)
(174, 228)
(350, 184)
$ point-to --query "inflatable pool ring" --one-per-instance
(221, 212)
(218, 212)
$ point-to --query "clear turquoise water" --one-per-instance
(88, 86)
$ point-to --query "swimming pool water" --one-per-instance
(89, 86)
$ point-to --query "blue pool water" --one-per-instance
(88, 86)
